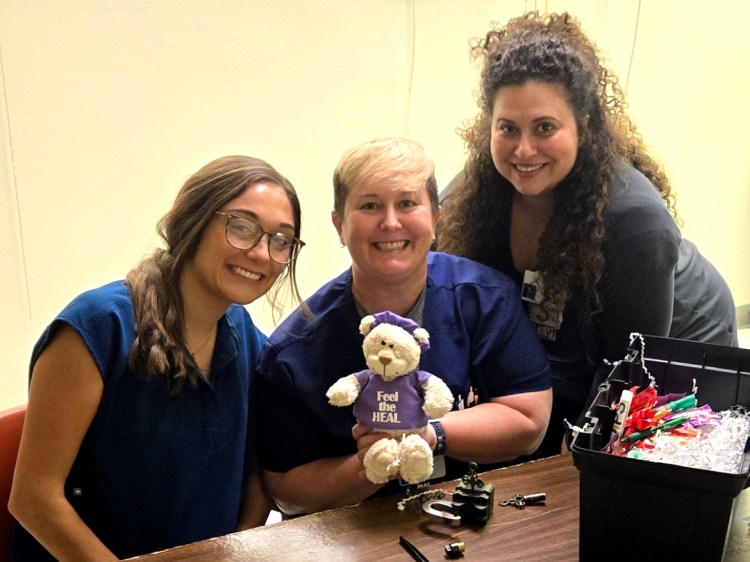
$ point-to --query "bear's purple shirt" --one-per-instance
(394, 405)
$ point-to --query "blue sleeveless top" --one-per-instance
(156, 469)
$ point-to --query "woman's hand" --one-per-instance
(365, 437)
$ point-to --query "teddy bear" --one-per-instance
(393, 396)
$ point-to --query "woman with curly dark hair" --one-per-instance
(559, 187)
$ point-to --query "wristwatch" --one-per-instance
(440, 433)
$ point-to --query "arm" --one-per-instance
(502, 429)
(504, 362)
(499, 430)
(65, 392)
(638, 291)
(321, 484)
(344, 391)
(640, 252)
(438, 399)
(256, 504)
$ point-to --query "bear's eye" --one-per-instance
(385, 343)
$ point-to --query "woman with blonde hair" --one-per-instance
(482, 345)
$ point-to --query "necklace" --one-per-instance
(204, 344)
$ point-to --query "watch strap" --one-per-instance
(440, 433)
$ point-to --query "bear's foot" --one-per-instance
(416, 459)
(381, 461)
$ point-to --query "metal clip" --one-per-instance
(444, 515)
(472, 502)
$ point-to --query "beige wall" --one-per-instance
(107, 106)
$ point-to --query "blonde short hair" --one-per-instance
(384, 158)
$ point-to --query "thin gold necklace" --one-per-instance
(204, 344)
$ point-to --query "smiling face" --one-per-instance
(388, 226)
(220, 274)
(535, 137)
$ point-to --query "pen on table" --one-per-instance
(413, 550)
(651, 430)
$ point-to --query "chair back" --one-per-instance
(11, 422)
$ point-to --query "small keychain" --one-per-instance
(426, 495)
(520, 501)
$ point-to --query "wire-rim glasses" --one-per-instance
(244, 234)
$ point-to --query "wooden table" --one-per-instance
(371, 530)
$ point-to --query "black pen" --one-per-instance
(413, 550)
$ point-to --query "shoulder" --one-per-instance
(92, 306)
(327, 306)
(105, 321)
(463, 292)
(632, 192)
(635, 207)
(325, 342)
(242, 326)
(451, 271)
(445, 192)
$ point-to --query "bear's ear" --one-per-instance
(365, 324)
(423, 337)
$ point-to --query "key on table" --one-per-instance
(520, 501)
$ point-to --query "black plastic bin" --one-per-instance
(633, 509)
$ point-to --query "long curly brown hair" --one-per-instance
(551, 49)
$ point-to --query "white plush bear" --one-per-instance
(395, 397)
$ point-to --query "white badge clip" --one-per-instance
(547, 320)
(531, 290)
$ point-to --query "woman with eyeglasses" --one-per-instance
(137, 436)
(482, 345)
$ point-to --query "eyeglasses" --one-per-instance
(244, 234)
